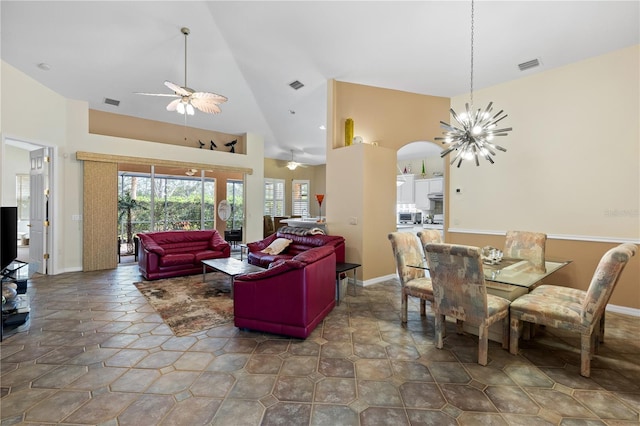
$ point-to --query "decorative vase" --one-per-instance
(320, 198)
(348, 132)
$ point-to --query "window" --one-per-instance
(22, 196)
(300, 198)
(274, 197)
(235, 197)
(159, 202)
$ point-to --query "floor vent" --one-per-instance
(110, 101)
(296, 85)
(529, 64)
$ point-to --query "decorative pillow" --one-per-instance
(277, 246)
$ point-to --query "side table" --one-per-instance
(344, 268)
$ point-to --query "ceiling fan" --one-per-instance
(292, 165)
(188, 98)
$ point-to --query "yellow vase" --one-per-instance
(348, 132)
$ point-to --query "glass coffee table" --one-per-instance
(229, 266)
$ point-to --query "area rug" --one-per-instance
(188, 305)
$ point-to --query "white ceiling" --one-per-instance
(251, 51)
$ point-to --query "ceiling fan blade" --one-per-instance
(205, 105)
(182, 91)
(213, 97)
(173, 105)
(171, 95)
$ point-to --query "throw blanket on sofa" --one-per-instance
(300, 231)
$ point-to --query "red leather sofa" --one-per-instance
(291, 297)
(299, 244)
(176, 253)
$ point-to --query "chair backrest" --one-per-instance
(268, 227)
(604, 281)
(430, 236)
(526, 245)
(407, 251)
(458, 283)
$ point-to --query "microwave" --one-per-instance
(413, 217)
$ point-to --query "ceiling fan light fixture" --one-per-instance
(292, 165)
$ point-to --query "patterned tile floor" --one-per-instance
(94, 352)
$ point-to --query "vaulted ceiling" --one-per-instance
(251, 52)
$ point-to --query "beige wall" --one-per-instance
(573, 158)
(361, 178)
(572, 168)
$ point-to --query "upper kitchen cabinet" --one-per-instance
(405, 191)
(424, 187)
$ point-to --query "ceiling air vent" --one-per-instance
(110, 101)
(529, 64)
(296, 85)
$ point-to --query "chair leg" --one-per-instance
(440, 324)
(404, 307)
(459, 326)
(505, 332)
(483, 344)
(513, 336)
(585, 354)
(423, 308)
(601, 334)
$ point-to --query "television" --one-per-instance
(8, 236)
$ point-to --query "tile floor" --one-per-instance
(94, 352)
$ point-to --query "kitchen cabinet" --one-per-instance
(424, 187)
(405, 192)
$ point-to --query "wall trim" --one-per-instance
(111, 158)
(377, 280)
(589, 238)
(624, 310)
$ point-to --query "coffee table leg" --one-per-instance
(204, 271)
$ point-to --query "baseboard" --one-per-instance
(624, 310)
(378, 280)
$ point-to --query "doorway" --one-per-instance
(420, 187)
(27, 171)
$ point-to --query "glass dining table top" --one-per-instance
(516, 272)
(520, 272)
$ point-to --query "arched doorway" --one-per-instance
(421, 187)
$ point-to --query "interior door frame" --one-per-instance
(28, 145)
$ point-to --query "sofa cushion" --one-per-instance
(277, 246)
(177, 259)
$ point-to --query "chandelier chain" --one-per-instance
(472, 30)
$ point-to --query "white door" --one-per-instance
(39, 210)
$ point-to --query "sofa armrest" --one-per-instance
(281, 268)
(218, 243)
(262, 244)
(149, 244)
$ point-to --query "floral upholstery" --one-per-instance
(528, 246)
(408, 252)
(459, 291)
(580, 314)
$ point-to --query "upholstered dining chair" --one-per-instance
(526, 245)
(427, 236)
(582, 314)
(408, 251)
(459, 291)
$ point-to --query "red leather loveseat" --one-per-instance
(299, 244)
(291, 297)
(176, 253)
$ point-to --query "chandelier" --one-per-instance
(476, 130)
